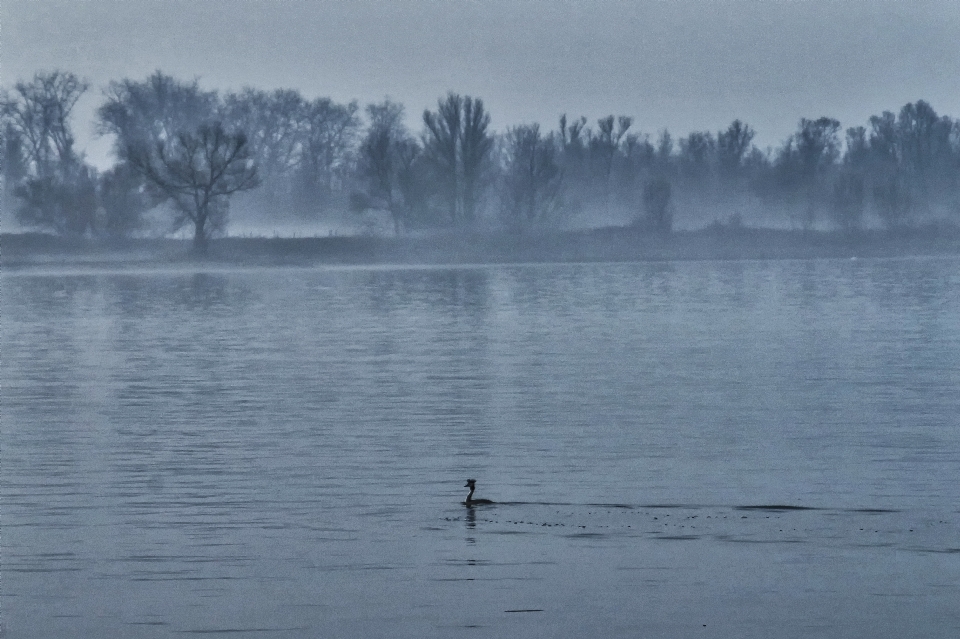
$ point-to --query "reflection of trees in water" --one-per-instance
(465, 372)
(139, 296)
(205, 291)
(433, 347)
(454, 292)
(894, 285)
(41, 352)
(735, 282)
(173, 327)
(888, 326)
(540, 291)
(57, 335)
(45, 297)
(460, 293)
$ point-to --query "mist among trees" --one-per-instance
(184, 156)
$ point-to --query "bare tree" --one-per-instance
(38, 113)
(197, 171)
(850, 184)
(55, 188)
(414, 182)
(806, 162)
(572, 136)
(696, 155)
(531, 178)
(274, 123)
(457, 145)
(574, 159)
(329, 143)
(663, 158)
(817, 145)
(848, 200)
(476, 144)
(140, 115)
(195, 150)
(890, 185)
(925, 146)
(605, 143)
(441, 146)
(604, 146)
(380, 160)
(732, 148)
(656, 205)
(159, 108)
(14, 166)
(912, 162)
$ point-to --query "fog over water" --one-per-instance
(197, 441)
(723, 449)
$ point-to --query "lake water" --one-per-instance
(698, 449)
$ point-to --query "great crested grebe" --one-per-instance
(472, 485)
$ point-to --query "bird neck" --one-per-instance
(470, 496)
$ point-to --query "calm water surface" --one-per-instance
(702, 449)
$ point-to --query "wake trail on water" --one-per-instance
(916, 531)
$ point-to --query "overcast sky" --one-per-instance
(678, 64)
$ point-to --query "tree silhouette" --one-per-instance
(197, 170)
(156, 109)
(457, 145)
(274, 122)
(806, 162)
(732, 147)
(656, 204)
(531, 178)
(328, 139)
(381, 158)
(62, 200)
(37, 113)
(55, 188)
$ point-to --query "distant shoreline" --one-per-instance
(19, 251)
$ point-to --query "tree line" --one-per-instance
(186, 151)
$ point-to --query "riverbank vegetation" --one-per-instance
(208, 164)
(717, 242)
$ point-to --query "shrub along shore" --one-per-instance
(598, 245)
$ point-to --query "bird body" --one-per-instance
(470, 501)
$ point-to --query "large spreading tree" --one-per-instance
(171, 134)
(197, 171)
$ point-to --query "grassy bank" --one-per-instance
(612, 244)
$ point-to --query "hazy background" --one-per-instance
(679, 64)
(197, 448)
